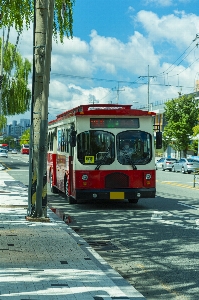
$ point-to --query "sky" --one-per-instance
(138, 52)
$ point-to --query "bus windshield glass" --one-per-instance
(96, 146)
(134, 147)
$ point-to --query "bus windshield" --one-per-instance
(134, 147)
(98, 147)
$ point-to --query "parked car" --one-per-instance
(186, 165)
(168, 163)
(165, 163)
(159, 162)
(3, 153)
(2, 167)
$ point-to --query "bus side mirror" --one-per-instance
(73, 139)
(158, 139)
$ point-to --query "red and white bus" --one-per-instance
(87, 155)
(24, 149)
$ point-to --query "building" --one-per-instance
(16, 130)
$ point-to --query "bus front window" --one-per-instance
(96, 147)
(134, 147)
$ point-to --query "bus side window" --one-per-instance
(50, 141)
(67, 140)
(62, 140)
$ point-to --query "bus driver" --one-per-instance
(126, 153)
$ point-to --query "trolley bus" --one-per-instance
(104, 152)
(24, 149)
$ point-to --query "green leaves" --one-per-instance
(19, 12)
(16, 95)
(25, 138)
(15, 13)
(3, 122)
(181, 115)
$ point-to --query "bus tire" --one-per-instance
(53, 189)
(71, 200)
(133, 200)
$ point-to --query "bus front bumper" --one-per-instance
(115, 194)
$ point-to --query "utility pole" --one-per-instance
(118, 90)
(1, 71)
(42, 49)
(148, 84)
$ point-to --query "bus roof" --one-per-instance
(102, 109)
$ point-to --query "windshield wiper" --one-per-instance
(103, 160)
(129, 160)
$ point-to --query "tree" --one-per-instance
(25, 138)
(42, 13)
(181, 115)
(16, 95)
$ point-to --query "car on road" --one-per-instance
(165, 163)
(159, 162)
(14, 151)
(2, 167)
(186, 165)
(3, 153)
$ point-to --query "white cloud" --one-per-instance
(159, 2)
(179, 30)
(112, 55)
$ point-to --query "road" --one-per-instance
(153, 244)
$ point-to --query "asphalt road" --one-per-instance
(153, 244)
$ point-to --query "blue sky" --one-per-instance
(115, 44)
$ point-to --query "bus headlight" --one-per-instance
(148, 176)
(84, 177)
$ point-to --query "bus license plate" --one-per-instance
(116, 195)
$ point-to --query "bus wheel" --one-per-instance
(133, 200)
(53, 189)
(71, 200)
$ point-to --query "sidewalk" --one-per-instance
(49, 260)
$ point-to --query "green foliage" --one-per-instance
(25, 138)
(181, 115)
(63, 19)
(3, 122)
(16, 95)
(17, 12)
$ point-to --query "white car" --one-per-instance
(186, 165)
(3, 153)
(14, 151)
(2, 167)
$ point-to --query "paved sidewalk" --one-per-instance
(49, 260)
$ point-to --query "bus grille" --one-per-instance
(117, 180)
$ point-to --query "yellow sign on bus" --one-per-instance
(89, 159)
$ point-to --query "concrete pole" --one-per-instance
(43, 141)
(40, 45)
(1, 71)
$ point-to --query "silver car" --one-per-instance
(186, 165)
(159, 162)
(168, 164)
(3, 153)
